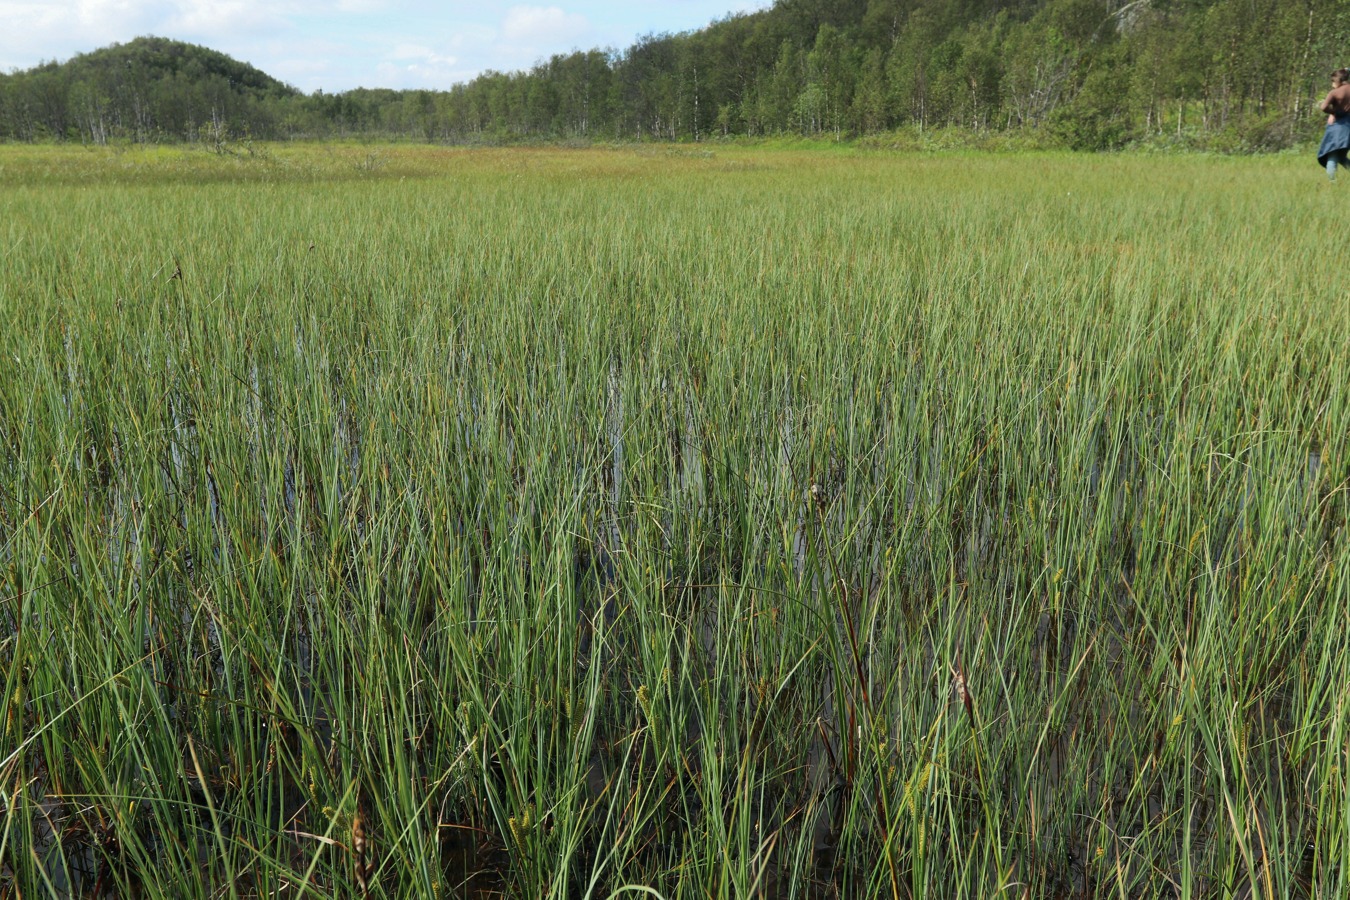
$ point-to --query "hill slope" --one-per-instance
(148, 88)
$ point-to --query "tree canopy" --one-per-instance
(1242, 74)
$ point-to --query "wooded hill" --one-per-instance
(148, 89)
(1228, 74)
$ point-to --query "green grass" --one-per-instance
(726, 524)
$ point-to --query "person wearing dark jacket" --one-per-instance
(1336, 140)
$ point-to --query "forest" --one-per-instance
(1231, 75)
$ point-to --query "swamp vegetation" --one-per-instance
(545, 523)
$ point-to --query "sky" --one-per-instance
(343, 44)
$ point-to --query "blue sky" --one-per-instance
(342, 44)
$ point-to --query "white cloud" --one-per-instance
(418, 75)
(214, 17)
(543, 24)
(61, 28)
(414, 66)
(307, 63)
(421, 54)
(472, 37)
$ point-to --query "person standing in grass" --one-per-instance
(1336, 140)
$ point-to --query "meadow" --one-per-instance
(672, 522)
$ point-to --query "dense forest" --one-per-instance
(1227, 74)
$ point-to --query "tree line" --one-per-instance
(1091, 74)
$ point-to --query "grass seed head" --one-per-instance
(362, 863)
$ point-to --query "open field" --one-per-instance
(734, 523)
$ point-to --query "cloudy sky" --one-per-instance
(343, 44)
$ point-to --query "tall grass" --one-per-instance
(740, 524)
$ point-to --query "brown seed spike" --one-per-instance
(963, 692)
(361, 862)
